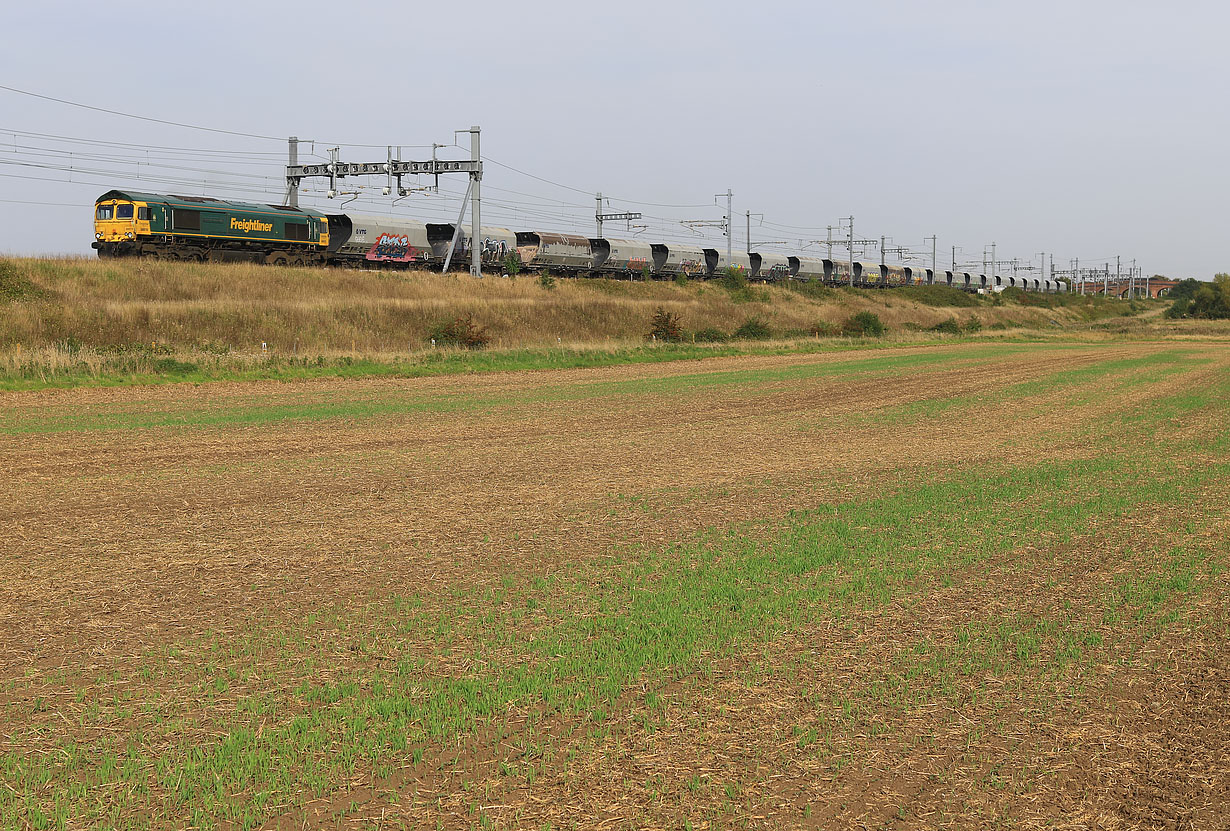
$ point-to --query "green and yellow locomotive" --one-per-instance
(199, 228)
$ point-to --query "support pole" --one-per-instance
(452, 246)
(292, 159)
(730, 231)
(598, 212)
(749, 233)
(852, 250)
(476, 239)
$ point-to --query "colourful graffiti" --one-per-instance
(692, 267)
(393, 248)
(494, 250)
(637, 265)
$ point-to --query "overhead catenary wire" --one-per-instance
(159, 164)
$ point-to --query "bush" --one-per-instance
(824, 329)
(947, 327)
(753, 329)
(710, 335)
(665, 326)
(735, 282)
(547, 280)
(460, 331)
(512, 265)
(863, 325)
(1179, 308)
(973, 324)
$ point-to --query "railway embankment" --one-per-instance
(100, 320)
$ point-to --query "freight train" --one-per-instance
(199, 228)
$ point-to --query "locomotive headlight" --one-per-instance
(97, 236)
(128, 235)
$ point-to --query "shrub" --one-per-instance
(973, 324)
(733, 279)
(1178, 308)
(547, 280)
(681, 279)
(824, 329)
(710, 335)
(665, 326)
(753, 329)
(460, 331)
(863, 325)
(512, 265)
(948, 327)
(735, 282)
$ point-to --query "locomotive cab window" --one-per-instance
(105, 211)
(143, 214)
(123, 211)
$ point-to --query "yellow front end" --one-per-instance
(323, 242)
(118, 223)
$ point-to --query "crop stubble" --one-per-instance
(127, 541)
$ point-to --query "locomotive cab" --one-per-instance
(117, 224)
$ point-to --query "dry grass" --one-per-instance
(109, 305)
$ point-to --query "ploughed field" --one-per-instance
(956, 586)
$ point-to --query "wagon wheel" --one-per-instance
(276, 258)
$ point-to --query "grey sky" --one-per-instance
(1087, 129)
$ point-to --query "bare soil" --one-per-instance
(119, 543)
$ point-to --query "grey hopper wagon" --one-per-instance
(895, 275)
(621, 257)
(807, 268)
(375, 240)
(868, 274)
(497, 244)
(770, 267)
(717, 264)
(565, 253)
(673, 260)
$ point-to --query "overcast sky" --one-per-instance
(1081, 128)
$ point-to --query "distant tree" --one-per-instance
(1186, 288)
(1212, 300)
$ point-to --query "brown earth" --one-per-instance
(120, 543)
